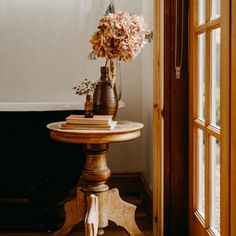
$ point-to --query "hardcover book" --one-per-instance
(89, 126)
(96, 119)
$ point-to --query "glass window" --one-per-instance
(201, 172)
(201, 76)
(215, 77)
(201, 12)
(215, 9)
(215, 184)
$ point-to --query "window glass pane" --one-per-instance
(215, 184)
(215, 8)
(201, 12)
(201, 76)
(215, 77)
(201, 172)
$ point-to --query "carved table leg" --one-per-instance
(91, 218)
(122, 213)
(75, 213)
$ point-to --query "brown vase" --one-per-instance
(105, 97)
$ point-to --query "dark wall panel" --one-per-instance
(32, 165)
(176, 118)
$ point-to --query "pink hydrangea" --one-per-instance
(120, 35)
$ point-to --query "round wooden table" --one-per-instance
(95, 203)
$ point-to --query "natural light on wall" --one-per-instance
(45, 46)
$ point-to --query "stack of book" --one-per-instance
(97, 122)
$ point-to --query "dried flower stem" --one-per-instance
(106, 63)
(112, 71)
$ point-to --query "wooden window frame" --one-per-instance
(223, 133)
(158, 129)
(233, 122)
(206, 126)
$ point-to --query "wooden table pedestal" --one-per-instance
(95, 203)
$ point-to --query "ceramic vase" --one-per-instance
(105, 96)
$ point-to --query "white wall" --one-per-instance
(44, 46)
(147, 98)
(138, 96)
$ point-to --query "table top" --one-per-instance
(124, 131)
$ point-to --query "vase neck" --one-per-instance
(104, 73)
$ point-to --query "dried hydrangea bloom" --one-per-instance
(120, 35)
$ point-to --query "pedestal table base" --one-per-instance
(95, 218)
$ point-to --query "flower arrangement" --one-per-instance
(120, 35)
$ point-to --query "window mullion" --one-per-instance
(208, 10)
(212, 24)
(207, 122)
(210, 129)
